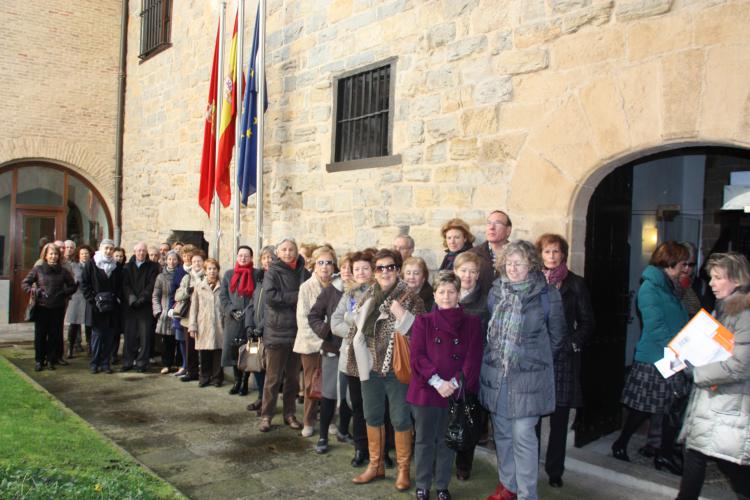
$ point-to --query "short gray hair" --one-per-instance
(734, 264)
(527, 251)
(284, 240)
(408, 238)
(446, 277)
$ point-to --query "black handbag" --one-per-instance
(105, 302)
(464, 420)
(29, 315)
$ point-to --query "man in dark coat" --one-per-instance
(497, 232)
(139, 276)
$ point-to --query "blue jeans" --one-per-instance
(102, 340)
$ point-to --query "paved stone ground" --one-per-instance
(205, 443)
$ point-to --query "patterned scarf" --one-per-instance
(242, 280)
(378, 298)
(504, 334)
(556, 276)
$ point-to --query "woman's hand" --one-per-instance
(397, 310)
(446, 389)
(192, 334)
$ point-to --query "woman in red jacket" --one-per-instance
(445, 343)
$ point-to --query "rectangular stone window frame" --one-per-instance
(375, 161)
(156, 27)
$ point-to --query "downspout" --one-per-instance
(120, 130)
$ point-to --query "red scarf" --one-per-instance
(556, 276)
(242, 280)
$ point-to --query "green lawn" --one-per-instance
(48, 452)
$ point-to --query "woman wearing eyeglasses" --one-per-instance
(416, 276)
(307, 344)
(517, 382)
(387, 308)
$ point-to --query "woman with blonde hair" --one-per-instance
(416, 276)
(457, 238)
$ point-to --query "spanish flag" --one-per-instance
(226, 125)
(208, 158)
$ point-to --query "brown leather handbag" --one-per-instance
(316, 384)
(401, 358)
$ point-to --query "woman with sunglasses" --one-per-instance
(307, 343)
(386, 309)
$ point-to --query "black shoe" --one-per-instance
(243, 384)
(70, 353)
(620, 453)
(344, 438)
(462, 474)
(94, 369)
(444, 495)
(188, 378)
(255, 406)
(115, 359)
(108, 370)
(556, 482)
(647, 451)
(322, 446)
(141, 369)
(388, 461)
(667, 463)
(126, 368)
(62, 362)
(235, 388)
(38, 367)
(360, 458)
(51, 366)
(218, 383)
(423, 494)
(204, 383)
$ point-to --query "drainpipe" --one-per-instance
(120, 130)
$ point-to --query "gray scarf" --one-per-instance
(504, 334)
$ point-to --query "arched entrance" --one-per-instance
(677, 194)
(41, 202)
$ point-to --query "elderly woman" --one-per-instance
(51, 285)
(646, 392)
(206, 325)
(184, 292)
(386, 309)
(446, 351)
(342, 322)
(78, 315)
(186, 254)
(160, 308)
(517, 383)
(237, 289)
(307, 343)
(281, 290)
(457, 238)
(579, 315)
(416, 276)
(718, 414)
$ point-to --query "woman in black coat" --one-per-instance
(51, 284)
(579, 316)
(101, 284)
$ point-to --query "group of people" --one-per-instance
(505, 321)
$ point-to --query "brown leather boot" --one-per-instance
(403, 459)
(376, 467)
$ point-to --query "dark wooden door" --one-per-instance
(607, 276)
(33, 228)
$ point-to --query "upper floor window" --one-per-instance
(155, 26)
(363, 118)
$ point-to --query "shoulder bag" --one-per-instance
(464, 419)
(251, 356)
(401, 358)
(30, 307)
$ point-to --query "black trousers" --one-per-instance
(359, 428)
(48, 333)
(694, 473)
(168, 345)
(192, 362)
(138, 338)
(554, 462)
(210, 366)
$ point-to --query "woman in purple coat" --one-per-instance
(444, 343)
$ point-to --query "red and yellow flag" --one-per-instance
(208, 158)
(226, 125)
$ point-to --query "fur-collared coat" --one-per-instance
(375, 353)
(718, 414)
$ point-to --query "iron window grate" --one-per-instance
(155, 26)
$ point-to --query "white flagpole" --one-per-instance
(238, 124)
(261, 120)
(216, 253)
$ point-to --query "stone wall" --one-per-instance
(58, 85)
(522, 105)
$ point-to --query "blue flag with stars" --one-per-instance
(247, 160)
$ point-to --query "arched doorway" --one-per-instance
(670, 195)
(42, 202)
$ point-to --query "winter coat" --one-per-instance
(450, 257)
(717, 421)
(321, 314)
(487, 273)
(427, 294)
(205, 316)
(78, 305)
(531, 380)
(579, 316)
(307, 341)
(475, 304)
(93, 281)
(54, 284)
(446, 343)
(185, 292)
(235, 331)
(160, 302)
(281, 288)
(342, 324)
(662, 313)
(138, 287)
(375, 352)
(179, 273)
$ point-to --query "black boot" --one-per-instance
(72, 335)
(360, 458)
(243, 385)
(237, 381)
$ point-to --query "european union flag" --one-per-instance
(247, 160)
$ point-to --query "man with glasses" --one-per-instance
(404, 244)
(497, 232)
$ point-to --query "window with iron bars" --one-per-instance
(363, 118)
(155, 26)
